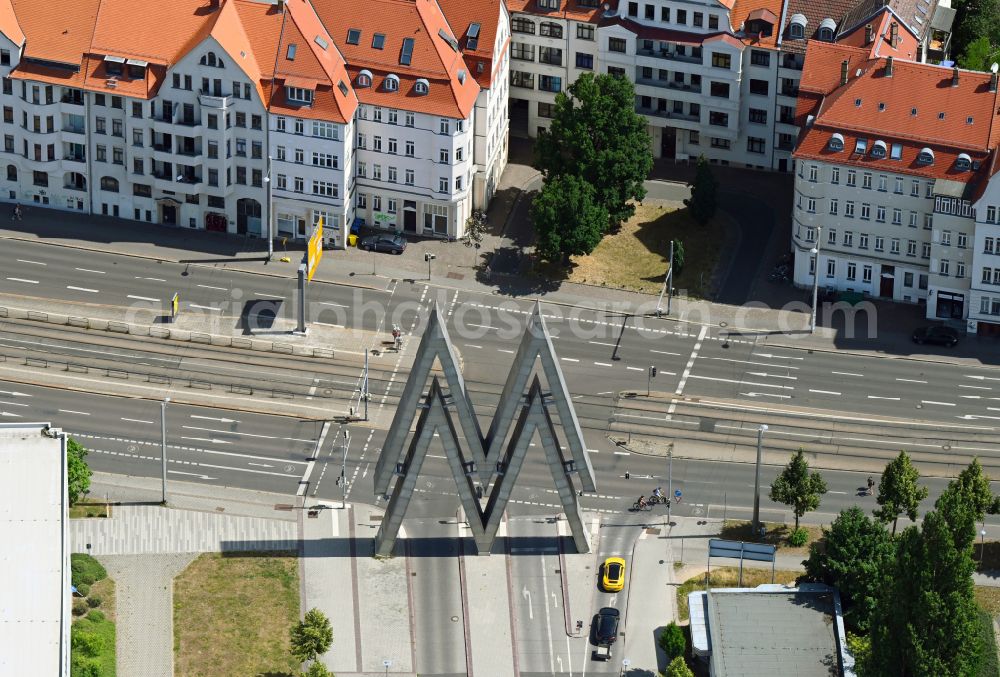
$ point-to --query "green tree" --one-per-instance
(797, 488)
(976, 19)
(672, 641)
(855, 557)
(312, 636)
(475, 231)
(83, 666)
(702, 202)
(898, 491)
(596, 134)
(678, 668)
(678, 259)
(979, 54)
(77, 471)
(926, 619)
(567, 219)
(317, 669)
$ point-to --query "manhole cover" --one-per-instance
(454, 619)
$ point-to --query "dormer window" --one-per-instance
(391, 83)
(826, 29)
(209, 59)
(353, 36)
(136, 69)
(797, 27)
(925, 157)
(113, 65)
(860, 146)
(299, 95)
(963, 162)
(548, 5)
(878, 150)
(364, 78)
(836, 143)
(421, 86)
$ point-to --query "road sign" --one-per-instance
(315, 250)
(677, 493)
(175, 304)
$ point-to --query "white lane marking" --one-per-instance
(143, 298)
(480, 326)
(21, 279)
(599, 343)
(664, 352)
(70, 411)
(193, 474)
(327, 324)
(331, 303)
(778, 357)
(766, 375)
(603, 364)
(271, 296)
(205, 439)
(846, 373)
(635, 368)
(91, 291)
(213, 418)
(261, 465)
(208, 286)
(759, 364)
(942, 404)
(14, 393)
(780, 397)
(687, 370)
(744, 383)
(971, 397)
(569, 359)
(910, 380)
(35, 263)
(304, 482)
(879, 397)
(195, 305)
(8, 414)
(234, 432)
(824, 392)
(972, 417)
(594, 451)
(151, 279)
(15, 404)
(136, 420)
(981, 378)
(471, 345)
(623, 453)
(836, 492)
(976, 387)
(606, 392)
(89, 270)
(504, 350)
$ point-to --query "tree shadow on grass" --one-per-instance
(701, 247)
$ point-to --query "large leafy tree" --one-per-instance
(976, 20)
(568, 220)
(77, 471)
(596, 135)
(854, 556)
(980, 54)
(702, 202)
(899, 492)
(797, 488)
(312, 636)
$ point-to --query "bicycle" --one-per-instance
(644, 505)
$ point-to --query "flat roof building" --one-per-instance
(34, 560)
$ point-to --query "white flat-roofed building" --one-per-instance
(34, 560)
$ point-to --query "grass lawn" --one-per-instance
(728, 577)
(777, 534)
(99, 621)
(89, 509)
(989, 666)
(232, 614)
(636, 257)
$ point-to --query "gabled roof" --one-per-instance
(452, 88)
(62, 34)
(757, 10)
(8, 23)
(915, 14)
(462, 15)
(568, 9)
(158, 33)
(814, 11)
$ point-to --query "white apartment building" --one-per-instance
(247, 114)
(984, 305)
(886, 171)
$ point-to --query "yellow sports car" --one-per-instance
(613, 579)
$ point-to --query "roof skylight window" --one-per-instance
(342, 87)
(406, 53)
(860, 146)
(896, 152)
(353, 36)
(321, 42)
(291, 51)
(857, 103)
(472, 37)
(378, 41)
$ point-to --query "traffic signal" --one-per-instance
(652, 371)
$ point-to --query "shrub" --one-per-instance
(672, 641)
(96, 616)
(80, 608)
(85, 667)
(83, 589)
(798, 538)
(86, 569)
(87, 643)
(678, 668)
(94, 601)
(317, 669)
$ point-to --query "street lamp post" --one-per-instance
(670, 480)
(815, 252)
(756, 482)
(270, 212)
(668, 283)
(343, 471)
(428, 257)
(650, 375)
(163, 447)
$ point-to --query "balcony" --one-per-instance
(73, 100)
(667, 54)
(187, 121)
(788, 90)
(669, 114)
(75, 129)
(188, 151)
(74, 157)
(215, 101)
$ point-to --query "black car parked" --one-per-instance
(606, 626)
(385, 242)
(936, 335)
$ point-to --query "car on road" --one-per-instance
(606, 626)
(392, 243)
(613, 574)
(936, 335)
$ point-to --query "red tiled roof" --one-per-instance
(757, 10)
(461, 14)
(823, 62)
(57, 33)
(8, 23)
(568, 9)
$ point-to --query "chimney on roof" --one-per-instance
(280, 4)
(993, 82)
(888, 67)
(894, 34)
(869, 34)
(954, 76)
(214, 4)
(843, 71)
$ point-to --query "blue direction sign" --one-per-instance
(677, 493)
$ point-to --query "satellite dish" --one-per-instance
(994, 67)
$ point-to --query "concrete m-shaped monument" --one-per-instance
(496, 458)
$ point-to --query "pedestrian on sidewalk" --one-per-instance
(871, 485)
(16, 216)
